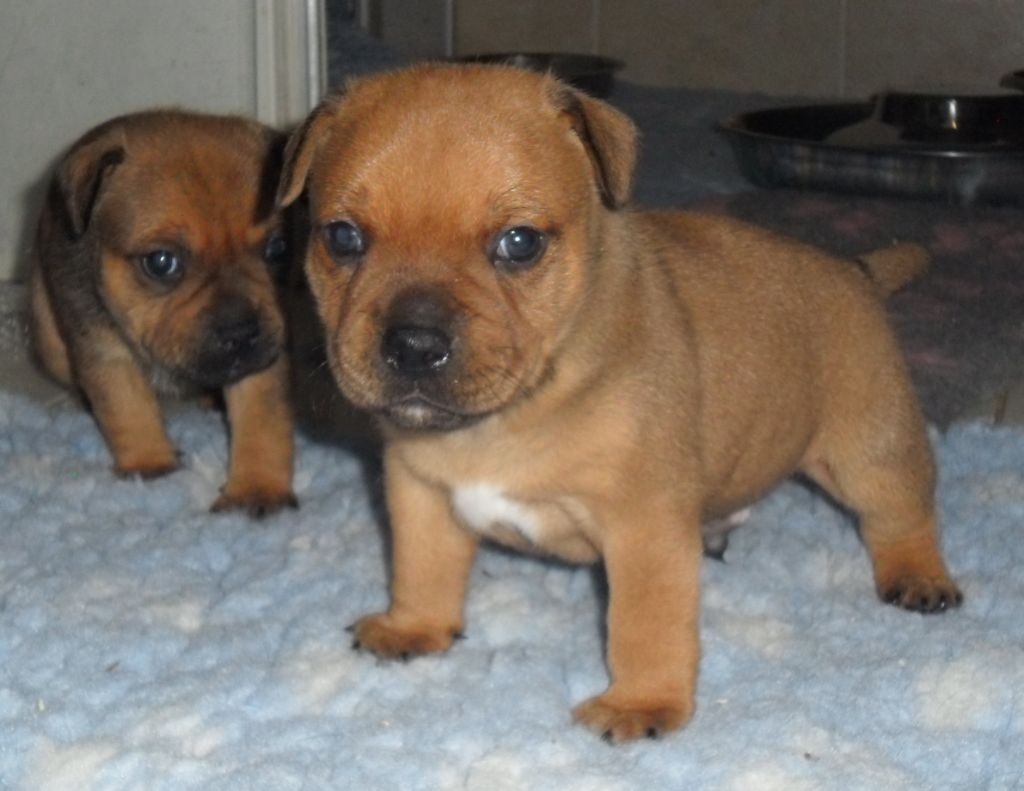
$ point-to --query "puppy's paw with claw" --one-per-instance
(258, 503)
(380, 635)
(922, 594)
(619, 721)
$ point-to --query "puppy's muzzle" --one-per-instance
(416, 341)
(237, 336)
(419, 360)
(416, 351)
(236, 343)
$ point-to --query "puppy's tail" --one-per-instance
(891, 268)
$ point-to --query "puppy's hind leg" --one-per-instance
(889, 481)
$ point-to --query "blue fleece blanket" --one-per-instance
(147, 644)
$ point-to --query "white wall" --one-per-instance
(819, 48)
(66, 65)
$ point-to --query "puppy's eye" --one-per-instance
(344, 239)
(275, 249)
(519, 248)
(164, 266)
(276, 254)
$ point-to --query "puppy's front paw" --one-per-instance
(380, 635)
(922, 594)
(624, 721)
(256, 502)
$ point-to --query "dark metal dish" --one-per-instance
(594, 74)
(960, 149)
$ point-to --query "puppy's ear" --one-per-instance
(299, 152)
(81, 174)
(270, 173)
(609, 137)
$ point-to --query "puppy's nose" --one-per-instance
(415, 351)
(237, 335)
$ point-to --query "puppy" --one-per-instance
(154, 272)
(558, 372)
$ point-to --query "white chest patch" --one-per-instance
(482, 507)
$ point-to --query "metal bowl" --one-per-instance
(954, 121)
(594, 74)
(959, 149)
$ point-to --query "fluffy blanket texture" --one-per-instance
(147, 644)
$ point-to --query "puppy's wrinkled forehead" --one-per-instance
(201, 191)
(443, 139)
(493, 141)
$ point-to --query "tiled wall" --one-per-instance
(809, 47)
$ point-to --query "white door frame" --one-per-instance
(291, 59)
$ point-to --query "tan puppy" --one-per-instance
(560, 373)
(152, 272)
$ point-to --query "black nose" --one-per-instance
(415, 351)
(237, 335)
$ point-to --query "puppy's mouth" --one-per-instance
(220, 369)
(237, 342)
(420, 413)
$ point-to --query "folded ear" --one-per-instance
(609, 137)
(270, 173)
(300, 150)
(81, 174)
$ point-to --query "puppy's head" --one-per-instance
(456, 217)
(177, 210)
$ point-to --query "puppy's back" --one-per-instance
(781, 329)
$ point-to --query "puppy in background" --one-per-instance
(154, 272)
(561, 373)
